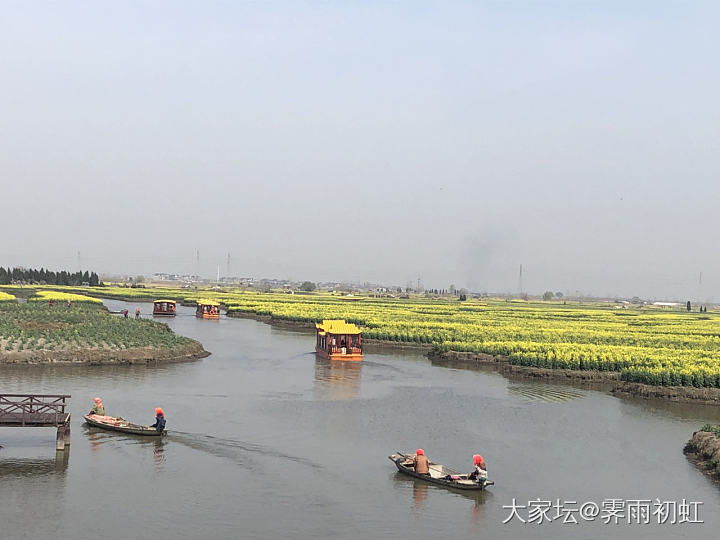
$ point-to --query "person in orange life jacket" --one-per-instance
(421, 463)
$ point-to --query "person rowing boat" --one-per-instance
(438, 473)
(159, 424)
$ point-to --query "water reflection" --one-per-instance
(699, 413)
(336, 380)
(159, 453)
(421, 490)
(13, 466)
(98, 438)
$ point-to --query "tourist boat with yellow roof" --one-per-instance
(207, 309)
(338, 340)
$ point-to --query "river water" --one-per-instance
(266, 441)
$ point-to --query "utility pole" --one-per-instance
(79, 262)
(227, 270)
(520, 281)
(197, 266)
(700, 292)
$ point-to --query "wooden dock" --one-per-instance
(37, 410)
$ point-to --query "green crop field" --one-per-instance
(85, 324)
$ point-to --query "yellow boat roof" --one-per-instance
(166, 301)
(207, 303)
(337, 326)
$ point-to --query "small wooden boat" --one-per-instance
(164, 308)
(439, 474)
(119, 424)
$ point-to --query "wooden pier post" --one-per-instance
(60, 441)
(67, 431)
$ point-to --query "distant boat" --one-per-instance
(207, 309)
(439, 474)
(119, 424)
(166, 308)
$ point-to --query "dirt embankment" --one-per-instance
(619, 388)
(502, 364)
(689, 394)
(102, 356)
(703, 449)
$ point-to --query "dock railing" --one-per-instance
(41, 410)
(26, 409)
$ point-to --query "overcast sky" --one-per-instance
(378, 141)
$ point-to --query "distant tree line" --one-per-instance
(25, 275)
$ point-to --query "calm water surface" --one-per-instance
(269, 442)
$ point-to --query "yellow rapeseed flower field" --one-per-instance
(56, 296)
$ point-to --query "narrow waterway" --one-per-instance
(269, 442)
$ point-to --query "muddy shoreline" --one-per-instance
(96, 357)
(703, 451)
(607, 380)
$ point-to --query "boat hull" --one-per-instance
(439, 472)
(347, 357)
(122, 426)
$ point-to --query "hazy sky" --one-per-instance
(379, 141)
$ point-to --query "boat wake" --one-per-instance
(240, 452)
(548, 394)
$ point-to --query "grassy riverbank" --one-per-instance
(83, 332)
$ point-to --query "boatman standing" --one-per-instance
(421, 463)
(159, 424)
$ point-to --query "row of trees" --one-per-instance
(25, 275)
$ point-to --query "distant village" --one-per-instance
(190, 281)
(24, 276)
